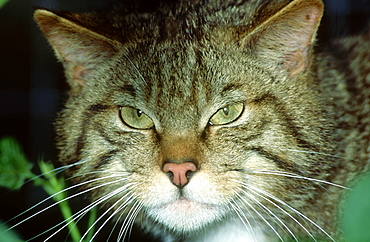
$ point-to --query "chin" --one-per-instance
(183, 216)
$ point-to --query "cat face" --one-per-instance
(181, 102)
(185, 132)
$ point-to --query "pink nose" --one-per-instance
(179, 173)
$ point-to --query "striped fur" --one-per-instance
(275, 172)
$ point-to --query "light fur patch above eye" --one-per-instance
(135, 118)
(227, 114)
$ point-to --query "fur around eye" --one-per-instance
(135, 118)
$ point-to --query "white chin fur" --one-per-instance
(230, 230)
(183, 216)
(198, 206)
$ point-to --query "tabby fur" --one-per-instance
(275, 172)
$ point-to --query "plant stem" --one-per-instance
(53, 186)
(92, 219)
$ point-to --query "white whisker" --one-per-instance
(57, 171)
(242, 217)
(293, 209)
(129, 199)
(75, 216)
(115, 224)
(67, 198)
(89, 207)
(318, 153)
(250, 188)
(129, 221)
(260, 215)
(269, 211)
(292, 175)
(116, 173)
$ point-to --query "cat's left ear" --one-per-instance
(78, 48)
(286, 38)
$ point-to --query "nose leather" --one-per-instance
(179, 172)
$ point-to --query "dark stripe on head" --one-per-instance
(281, 163)
(128, 89)
(80, 142)
(97, 107)
(231, 87)
(104, 159)
(294, 130)
(76, 155)
(102, 134)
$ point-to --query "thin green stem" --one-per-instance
(52, 186)
(92, 219)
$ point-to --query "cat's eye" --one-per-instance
(135, 118)
(227, 114)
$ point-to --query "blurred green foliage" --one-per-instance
(8, 236)
(2, 2)
(14, 166)
(15, 171)
(356, 213)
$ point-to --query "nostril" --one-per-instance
(170, 175)
(189, 173)
(180, 173)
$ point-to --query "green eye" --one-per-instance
(135, 118)
(227, 114)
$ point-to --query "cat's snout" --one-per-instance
(180, 173)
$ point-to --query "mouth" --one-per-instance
(183, 214)
(185, 204)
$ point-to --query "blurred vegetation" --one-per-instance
(356, 213)
(15, 171)
(2, 2)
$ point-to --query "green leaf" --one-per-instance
(8, 235)
(14, 166)
(356, 214)
(2, 2)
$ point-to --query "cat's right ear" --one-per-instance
(78, 48)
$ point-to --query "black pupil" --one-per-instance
(226, 111)
(139, 112)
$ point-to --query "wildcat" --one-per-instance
(212, 120)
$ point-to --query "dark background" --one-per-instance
(32, 87)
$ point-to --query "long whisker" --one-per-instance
(269, 211)
(129, 199)
(78, 214)
(242, 217)
(129, 221)
(293, 209)
(250, 188)
(55, 171)
(62, 191)
(292, 175)
(115, 224)
(260, 215)
(136, 69)
(121, 173)
(318, 153)
(119, 218)
(89, 207)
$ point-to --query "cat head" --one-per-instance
(191, 115)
